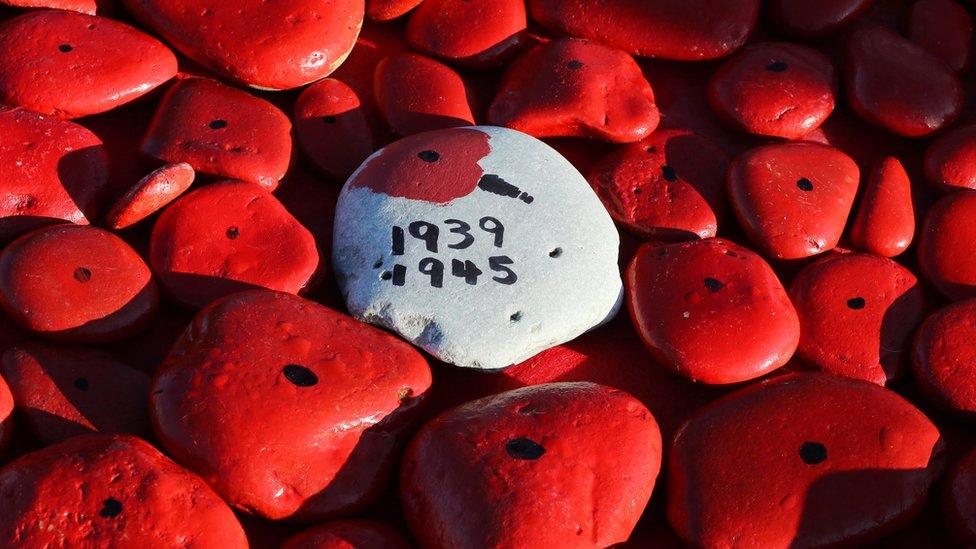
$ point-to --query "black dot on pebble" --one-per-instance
(300, 375)
(856, 303)
(575, 65)
(378, 264)
(713, 284)
(81, 383)
(82, 274)
(804, 184)
(813, 453)
(525, 449)
(429, 156)
(516, 316)
(65, 48)
(556, 252)
(777, 66)
(233, 232)
(652, 150)
(110, 508)
(669, 173)
(217, 124)
(386, 275)
(330, 119)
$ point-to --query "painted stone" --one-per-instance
(555, 465)
(61, 392)
(6, 414)
(576, 88)
(333, 128)
(388, 10)
(417, 94)
(459, 240)
(793, 199)
(802, 460)
(348, 534)
(805, 19)
(950, 161)
(857, 316)
(77, 283)
(226, 404)
(81, 6)
(668, 186)
(476, 33)
(947, 245)
(945, 29)
(228, 237)
(943, 357)
(220, 131)
(270, 45)
(960, 500)
(885, 221)
(151, 194)
(110, 491)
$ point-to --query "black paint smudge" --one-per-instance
(496, 185)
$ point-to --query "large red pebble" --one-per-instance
(576, 88)
(62, 392)
(803, 460)
(228, 237)
(711, 311)
(348, 534)
(944, 357)
(793, 199)
(54, 171)
(477, 33)
(669, 186)
(220, 131)
(857, 315)
(81, 6)
(950, 161)
(77, 283)
(68, 64)
(555, 465)
(885, 221)
(775, 89)
(945, 29)
(689, 30)
(417, 94)
(806, 19)
(150, 194)
(333, 128)
(110, 491)
(388, 10)
(947, 245)
(960, 500)
(287, 408)
(899, 86)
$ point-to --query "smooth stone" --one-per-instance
(509, 273)
(150, 194)
(944, 355)
(885, 220)
(475, 33)
(950, 160)
(806, 19)
(6, 414)
(348, 534)
(960, 500)
(947, 245)
(945, 29)
(417, 94)
(388, 10)
(333, 128)
(88, 7)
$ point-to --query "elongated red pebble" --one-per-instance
(857, 315)
(287, 408)
(898, 85)
(945, 29)
(68, 64)
(110, 491)
(152, 193)
(333, 128)
(61, 392)
(885, 221)
(228, 237)
(947, 245)
(793, 199)
(568, 88)
(6, 413)
(388, 10)
(944, 356)
(220, 131)
(775, 89)
(805, 19)
(81, 6)
(77, 283)
(960, 500)
(802, 460)
(348, 534)
(417, 94)
(950, 161)
(558, 465)
(477, 33)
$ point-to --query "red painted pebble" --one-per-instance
(348, 534)
(960, 500)
(775, 89)
(228, 237)
(885, 221)
(220, 131)
(857, 315)
(950, 161)
(898, 85)
(6, 413)
(333, 128)
(576, 88)
(690, 30)
(110, 491)
(711, 311)
(477, 33)
(803, 460)
(417, 94)
(54, 171)
(287, 408)
(271, 45)
(945, 29)
(81, 6)
(555, 465)
(806, 19)
(150, 194)
(947, 245)
(793, 199)
(77, 283)
(944, 356)
(68, 64)
(61, 392)
(388, 10)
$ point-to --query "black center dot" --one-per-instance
(300, 375)
(218, 124)
(777, 66)
(65, 48)
(556, 252)
(516, 316)
(233, 232)
(813, 453)
(713, 284)
(804, 184)
(429, 156)
(110, 508)
(575, 65)
(856, 303)
(330, 119)
(82, 274)
(669, 173)
(81, 383)
(524, 449)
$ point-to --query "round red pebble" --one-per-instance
(348, 534)
(110, 491)
(690, 30)
(6, 413)
(711, 311)
(270, 45)
(287, 408)
(885, 221)
(388, 10)
(417, 94)
(333, 128)
(68, 64)
(947, 245)
(77, 283)
(857, 315)
(793, 199)
(62, 392)
(54, 171)
(950, 161)
(220, 131)
(548, 466)
(774, 89)
(802, 460)
(81, 6)
(150, 194)
(960, 500)
(568, 88)
(944, 357)
(228, 237)
(945, 29)
(477, 33)
(898, 85)
(669, 186)
(806, 19)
